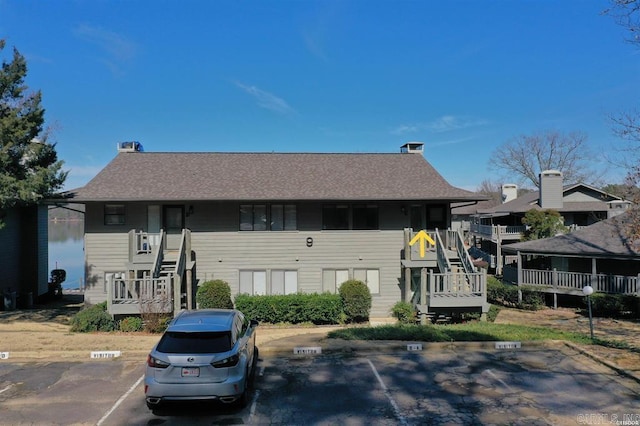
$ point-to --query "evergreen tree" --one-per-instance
(29, 166)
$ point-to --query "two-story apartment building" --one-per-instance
(579, 204)
(157, 224)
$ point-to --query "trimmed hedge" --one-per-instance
(214, 294)
(313, 308)
(356, 300)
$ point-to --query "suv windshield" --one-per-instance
(174, 342)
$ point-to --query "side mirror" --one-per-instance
(254, 323)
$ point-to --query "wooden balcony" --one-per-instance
(497, 233)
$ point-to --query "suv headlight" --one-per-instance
(227, 362)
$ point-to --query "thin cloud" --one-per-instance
(446, 123)
(450, 141)
(116, 48)
(267, 100)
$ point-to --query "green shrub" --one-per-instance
(614, 305)
(214, 294)
(93, 318)
(404, 313)
(356, 300)
(315, 308)
(156, 322)
(129, 324)
(507, 295)
(493, 313)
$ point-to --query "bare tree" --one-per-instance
(522, 158)
(626, 14)
(491, 189)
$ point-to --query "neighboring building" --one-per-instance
(23, 255)
(580, 205)
(267, 223)
(604, 255)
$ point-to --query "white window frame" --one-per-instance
(258, 282)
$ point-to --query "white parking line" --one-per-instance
(502, 382)
(396, 409)
(252, 411)
(118, 402)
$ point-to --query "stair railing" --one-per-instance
(463, 254)
(443, 260)
(157, 261)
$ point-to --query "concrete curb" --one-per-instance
(339, 346)
(604, 362)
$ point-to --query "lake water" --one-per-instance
(66, 251)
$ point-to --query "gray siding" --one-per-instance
(221, 255)
(221, 250)
(9, 252)
(24, 251)
(43, 250)
(103, 253)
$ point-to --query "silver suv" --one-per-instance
(206, 354)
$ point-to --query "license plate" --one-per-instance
(190, 371)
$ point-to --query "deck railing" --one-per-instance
(145, 291)
(573, 282)
(495, 232)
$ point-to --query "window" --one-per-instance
(280, 217)
(333, 278)
(283, 217)
(436, 217)
(114, 214)
(365, 216)
(335, 216)
(371, 277)
(253, 283)
(284, 282)
(253, 217)
(203, 342)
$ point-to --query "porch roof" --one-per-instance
(608, 238)
(173, 176)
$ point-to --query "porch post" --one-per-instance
(423, 295)
(594, 274)
(554, 283)
(498, 253)
(519, 277)
(407, 285)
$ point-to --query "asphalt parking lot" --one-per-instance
(456, 384)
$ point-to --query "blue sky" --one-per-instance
(322, 76)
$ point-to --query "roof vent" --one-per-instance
(130, 146)
(412, 148)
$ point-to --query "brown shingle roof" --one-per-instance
(530, 200)
(607, 238)
(144, 176)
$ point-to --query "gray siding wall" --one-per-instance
(43, 251)
(10, 252)
(222, 251)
